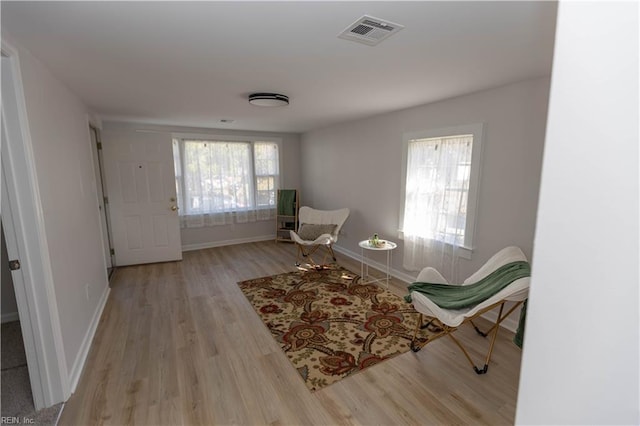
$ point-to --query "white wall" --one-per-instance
(580, 362)
(58, 125)
(219, 235)
(359, 164)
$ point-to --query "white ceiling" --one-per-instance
(194, 63)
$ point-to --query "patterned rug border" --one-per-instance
(366, 337)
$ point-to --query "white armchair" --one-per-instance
(445, 321)
(318, 228)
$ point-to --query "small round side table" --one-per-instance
(388, 247)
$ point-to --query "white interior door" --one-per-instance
(22, 219)
(18, 281)
(142, 204)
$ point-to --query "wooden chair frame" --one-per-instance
(442, 329)
(307, 253)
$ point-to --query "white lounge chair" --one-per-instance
(318, 228)
(445, 321)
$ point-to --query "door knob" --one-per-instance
(174, 208)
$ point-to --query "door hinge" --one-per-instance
(106, 200)
(14, 265)
(112, 251)
(99, 145)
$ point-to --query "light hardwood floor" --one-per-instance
(178, 343)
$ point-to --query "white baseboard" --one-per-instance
(78, 364)
(11, 316)
(510, 323)
(402, 276)
(211, 244)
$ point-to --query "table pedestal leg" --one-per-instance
(388, 267)
(362, 264)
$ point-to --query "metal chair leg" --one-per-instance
(448, 331)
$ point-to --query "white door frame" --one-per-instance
(23, 218)
(105, 226)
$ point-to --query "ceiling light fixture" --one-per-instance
(268, 99)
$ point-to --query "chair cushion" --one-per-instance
(310, 231)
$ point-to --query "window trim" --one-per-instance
(220, 137)
(475, 129)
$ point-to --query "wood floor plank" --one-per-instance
(178, 343)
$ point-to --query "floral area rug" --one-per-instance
(329, 325)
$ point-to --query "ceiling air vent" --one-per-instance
(369, 30)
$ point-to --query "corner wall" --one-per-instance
(359, 165)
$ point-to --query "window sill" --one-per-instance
(230, 212)
(463, 251)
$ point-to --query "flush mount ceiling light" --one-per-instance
(268, 99)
